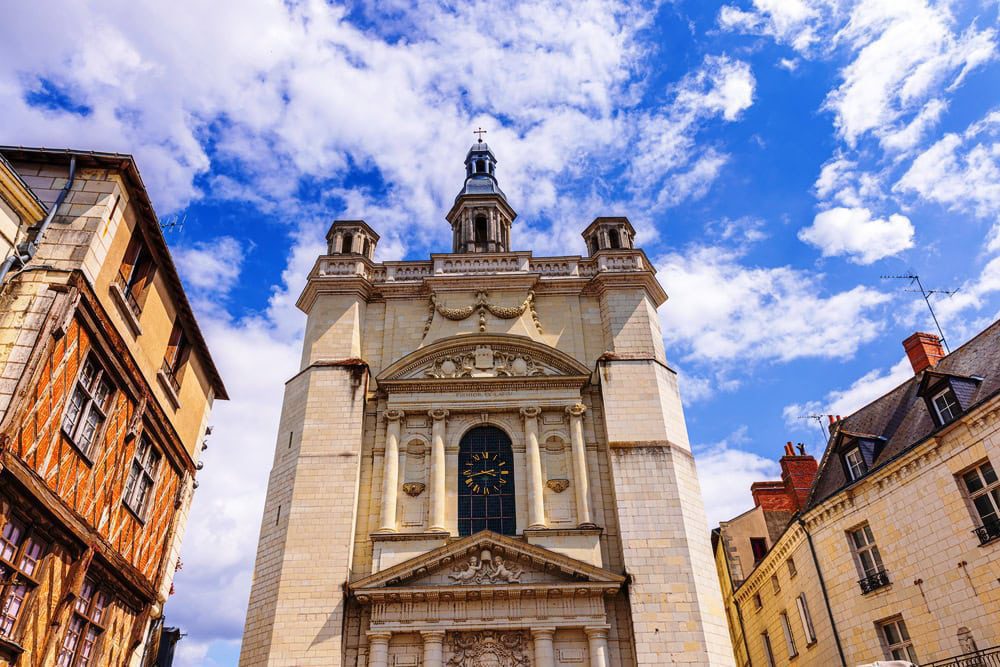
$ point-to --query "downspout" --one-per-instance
(25, 251)
(736, 603)
(826, 599)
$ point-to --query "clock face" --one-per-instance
(486, 473)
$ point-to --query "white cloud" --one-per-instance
(855, 233)
(721, 310)
(961, 171)
(210, 267)
(846, 401)
(726, 472)
(911, 134)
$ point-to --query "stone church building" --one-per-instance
(483, 462)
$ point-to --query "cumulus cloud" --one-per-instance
(961, 171)
(726, 471)
(722, 310)
(855, 233)
(210, 267)
(848, 400)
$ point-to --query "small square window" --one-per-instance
(758, 545)
(775, 586)
(758, 604)
(946, 406)
(792, 571)
(855, 462)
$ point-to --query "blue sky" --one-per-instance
(776, 156)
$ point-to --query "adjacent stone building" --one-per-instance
(483, 461)
(106, 386)
(895, 553)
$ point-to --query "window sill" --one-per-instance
(10, 649)
(126, 309)
(168, 388)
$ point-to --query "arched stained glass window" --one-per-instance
(486, 482)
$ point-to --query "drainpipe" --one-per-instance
(25, 251)
(826, 599)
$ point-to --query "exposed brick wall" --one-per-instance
(92, 489)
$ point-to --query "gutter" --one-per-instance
(25, 251)
(826, 598)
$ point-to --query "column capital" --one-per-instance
(576, 410)
(377, 636)
(437, 414)
(597, 632)
(530, 412)
(432, 635)
(394, 415)
(543, 633)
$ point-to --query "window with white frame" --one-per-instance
(866, 551)
(806, 618)
(984, 493)
(142, 477)
(946, 406)
(87, 408)
(855, 462)
(786, 629)
(765, 639)
(896, 640)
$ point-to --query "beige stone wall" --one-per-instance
(941, 579)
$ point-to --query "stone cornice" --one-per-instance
(788, 542)
(19, 196)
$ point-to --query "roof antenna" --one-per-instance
(926, 293)
(173, 223)
(819, 423)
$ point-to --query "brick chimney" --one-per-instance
(924, 351)
(797, 474)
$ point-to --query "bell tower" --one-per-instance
(481, 217)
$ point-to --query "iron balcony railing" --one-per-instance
(874, 582)
(989, 657)
(989, 531)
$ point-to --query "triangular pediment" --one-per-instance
(472, 356)
(488, 559)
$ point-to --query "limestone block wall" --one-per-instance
(304, 557)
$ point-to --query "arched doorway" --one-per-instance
(486, 482)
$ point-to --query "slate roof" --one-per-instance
(903, 418)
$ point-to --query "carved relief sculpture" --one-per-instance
(558, 485)
(487, 569)
(413, 489)
(482, 305)
(485, 362)
(490, 648)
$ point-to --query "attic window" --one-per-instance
(855, 464)
(946, 406)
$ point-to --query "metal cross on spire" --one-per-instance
(480, 132)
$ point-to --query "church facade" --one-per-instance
(483, 462)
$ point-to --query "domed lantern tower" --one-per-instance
(481, 217)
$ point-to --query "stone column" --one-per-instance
(597, 640)
(438, 472)
(378, 649)
(433, 648)
(536, 507)
(390, 473)
(544, 656)
(580, 480)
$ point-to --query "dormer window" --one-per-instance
(946, 406)
(855, 464)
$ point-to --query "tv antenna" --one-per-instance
(819, 424)
(173, 223)
(926, 293)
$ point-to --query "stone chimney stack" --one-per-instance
(790, 494)
(924, 351)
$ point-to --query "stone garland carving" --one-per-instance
(482, 305)
(487, 569)
(490, 648)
